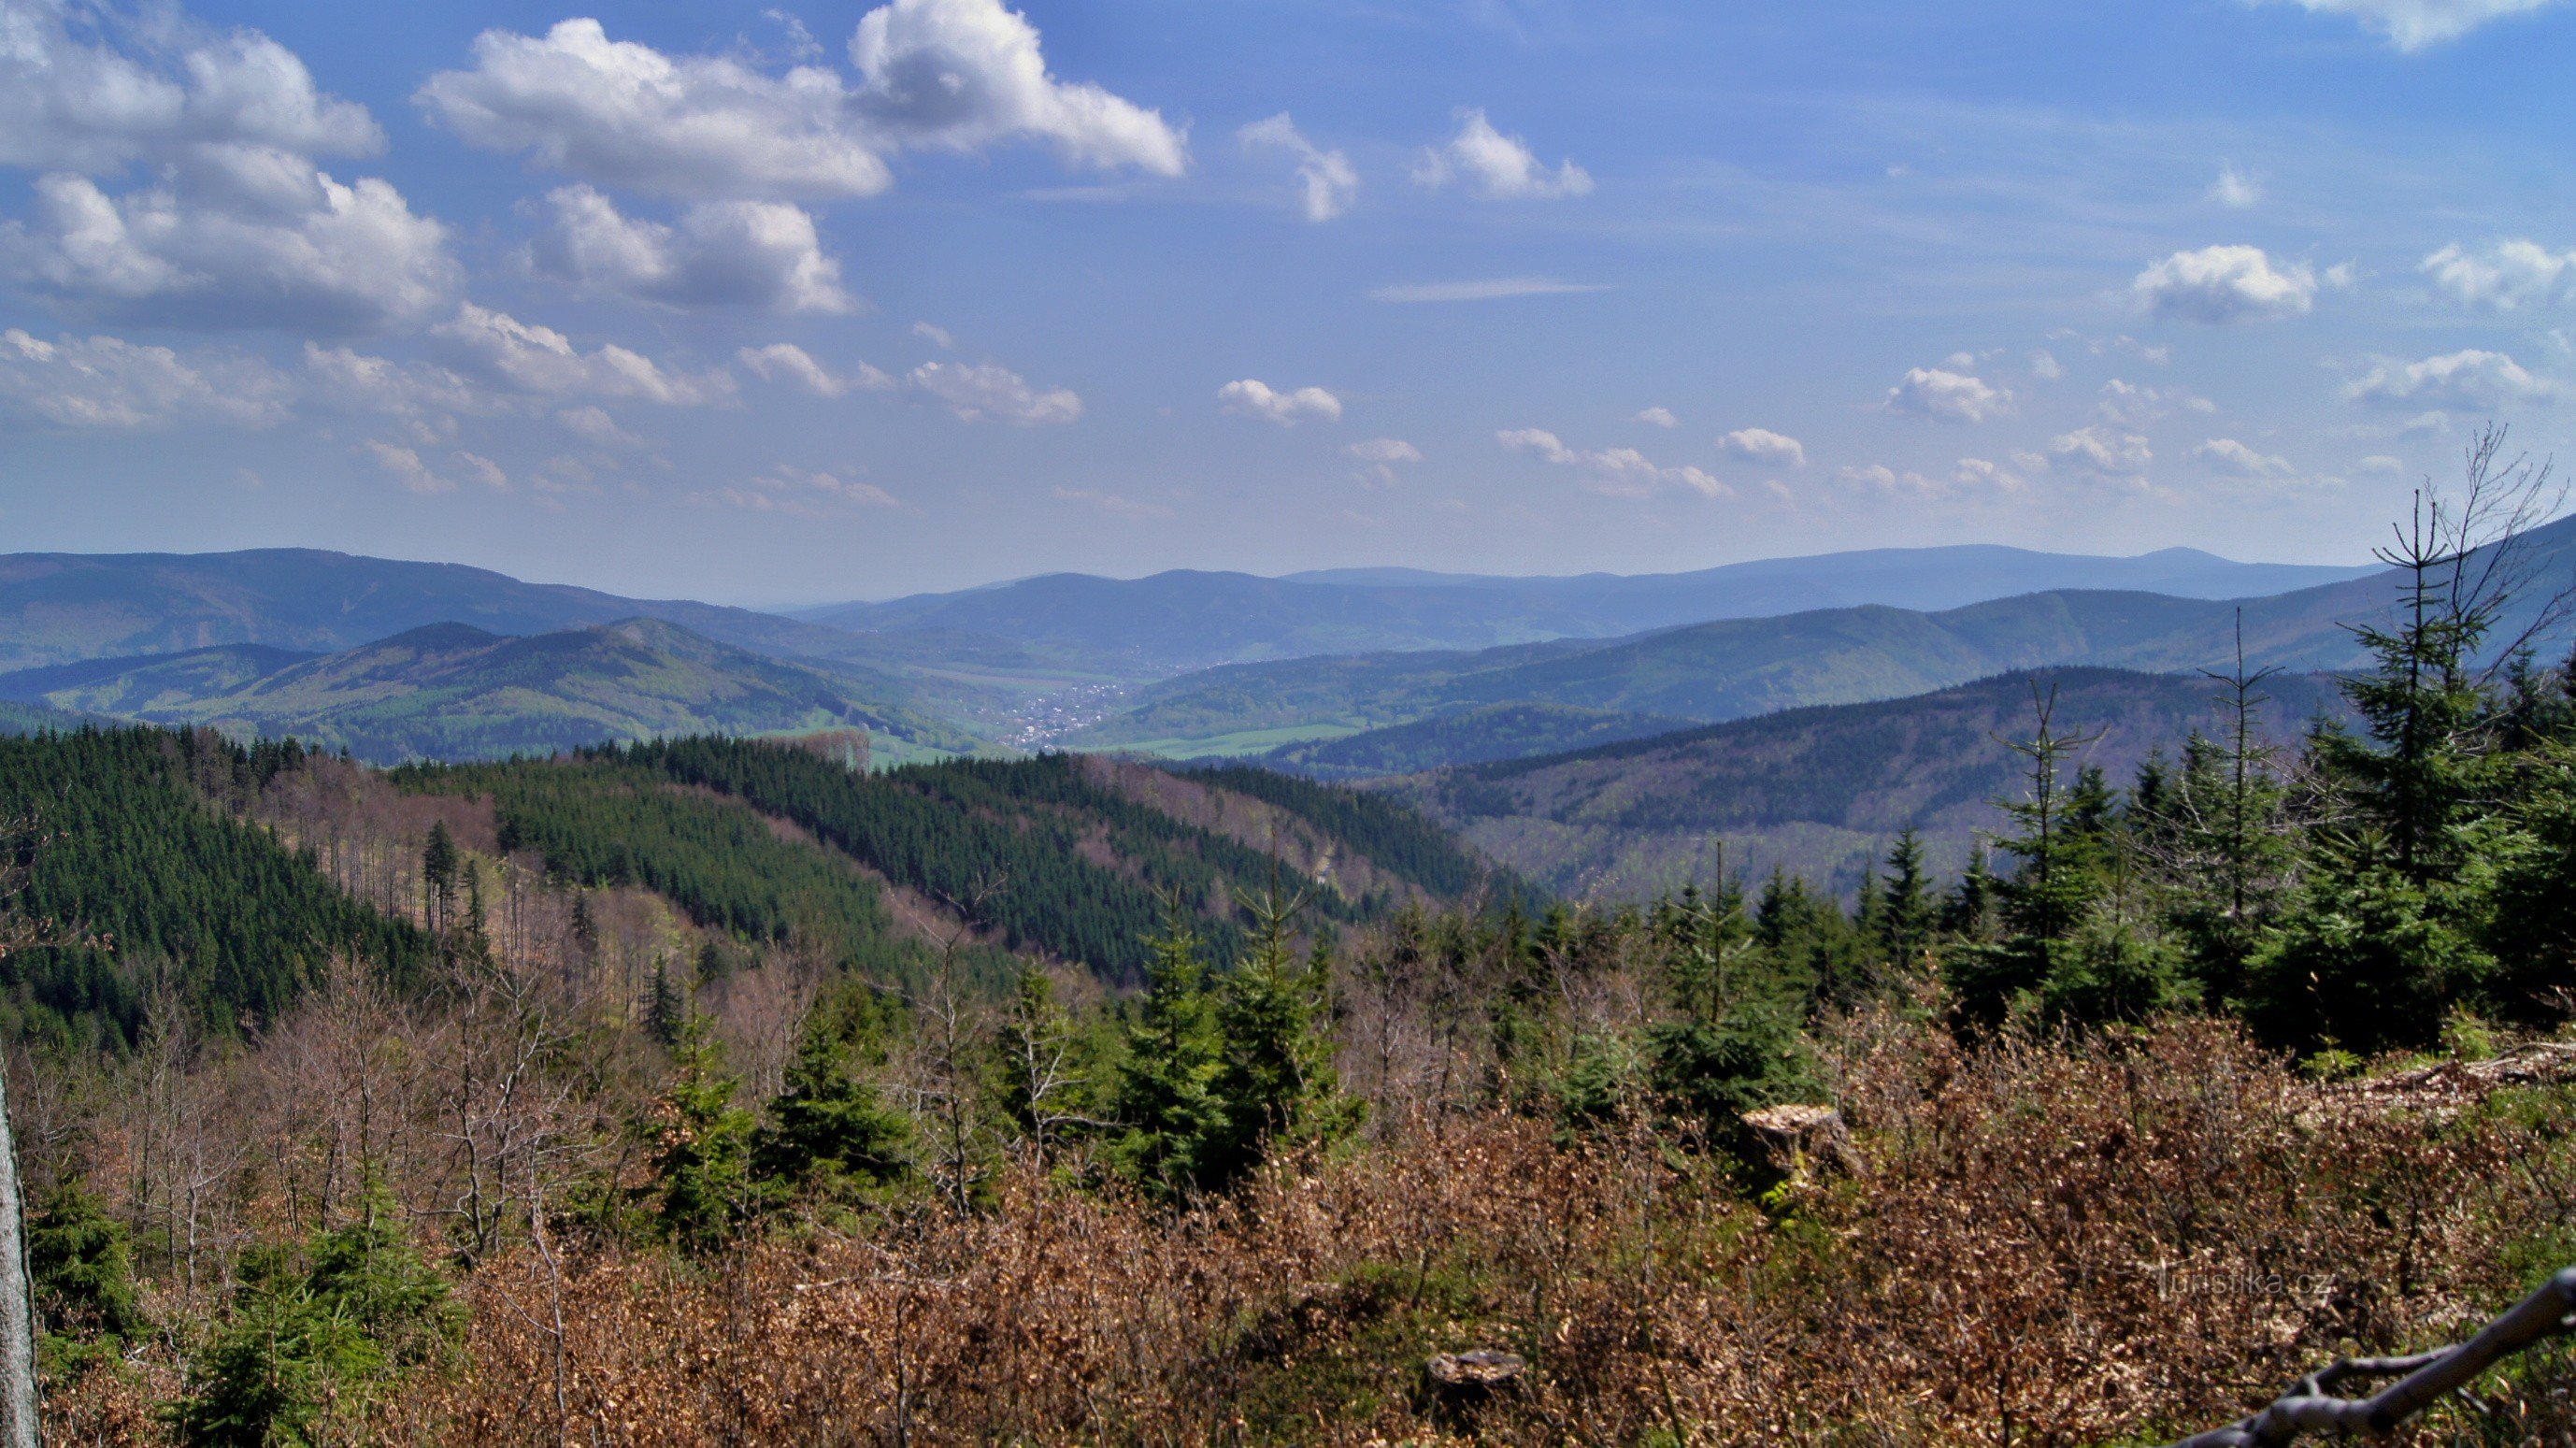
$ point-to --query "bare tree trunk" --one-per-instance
(17, 1301)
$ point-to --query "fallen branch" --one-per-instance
(2428, 1377)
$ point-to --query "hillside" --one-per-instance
(1736, 668)
(452, 691)
(1474, 736)
(1817, 791)
(1191, 619)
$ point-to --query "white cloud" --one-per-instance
(936, 336)
(799, 493)
(2134, 405)
(158, 89)
(1987, 475)
(2104, 450)
(1254, 398)
(2381, 463)
(407, 468)
(1880, 478)
(2227, 455)
(543, 360)
(426, 397)
(2237, 190)
(954, 74)
(987, 392)
(2413, 25)
(1659, 417)
(480, 469)
(1952, 396)
(962, 74)
(1378, 457)
(2219, 284)
(2044, 366)
(1123, 507)
(2471, 380)
(238, 226)
(593, 425)
(1492, 290)
(1496, 166)
(787, 362)
(2505, 276)
(761, 254)
(1327, 183)
(628, 115)
(109, 384)
(1761, 445)
(312, 255)
(1618, 472)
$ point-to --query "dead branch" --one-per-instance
(2428, 1377)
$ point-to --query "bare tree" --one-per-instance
(18, 1424)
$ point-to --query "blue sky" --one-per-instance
(805, 303)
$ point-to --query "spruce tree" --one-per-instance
(829, 1129)
(701, 1146)
(1166, 1099)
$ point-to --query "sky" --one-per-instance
(797, 304)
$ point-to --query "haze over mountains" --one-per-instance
(1545, 718)
(1185, 619)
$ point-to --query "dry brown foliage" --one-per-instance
(2045, 1243)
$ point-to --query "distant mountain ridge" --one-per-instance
(454, 691)
(1821, 792)
(1186, 619)
(1737, 668)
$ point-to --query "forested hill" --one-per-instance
(1064, 856)
(143, 882)
(456, 692)
(1821, 791)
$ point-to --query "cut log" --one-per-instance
(1804, 1137)
(1466, 1377)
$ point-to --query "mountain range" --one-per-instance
(1187, 619)
(1822, 792)
(1737, 668)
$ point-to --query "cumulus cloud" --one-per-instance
(986, 392)
(2236, 190)
(238, 225)
(1496, 166)
(1619, 472)
(1659, 417)
(2104, 450)
(762, 254)
(407, 468)
(1986, 475)
(2044, 366)
(936, 336)
(799, 493)
(1254, 398)
(953, 74)
(109, 384)
(424, 397)
(1378, 458)
(542, 360)
(175, 94)
(2472, 380)
(1327, 183)
(480, 469)
(2219, 284)
(2413, 25)
(2227, 455)
(789, 363)
(593, 425)
(627, 115)
(2134, 405)
(1761, 445)
(2505, 276)
(1951, 396)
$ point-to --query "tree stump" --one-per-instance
(1459, 1381)
(1799, 1138)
